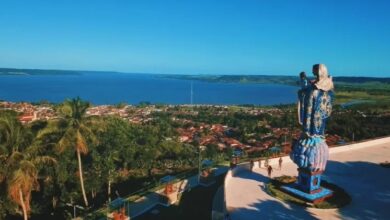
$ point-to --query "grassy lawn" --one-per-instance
(344, 97)
(370, 91)
(339, 199)
(195, 204)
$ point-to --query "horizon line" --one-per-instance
(184, 74)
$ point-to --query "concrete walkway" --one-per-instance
(354, 168)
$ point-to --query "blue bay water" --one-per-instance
(134, 88)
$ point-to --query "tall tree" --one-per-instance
(75, 131)
(21, 162)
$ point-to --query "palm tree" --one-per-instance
(12, 138)
(75, 131)
(22, 163)
(23, 176)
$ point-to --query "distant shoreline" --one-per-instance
(260, 79)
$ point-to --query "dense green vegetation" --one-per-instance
(360, 121)
(22, 158)
(94, 157)
(89, 160)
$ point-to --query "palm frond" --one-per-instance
(67, 139)
(81, 144)
(44, 160)
(52, 127)
(14, 158)
(87, 133)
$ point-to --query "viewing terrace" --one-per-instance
(355, 167)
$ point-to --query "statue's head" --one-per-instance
(302, 75)
(324, 81)
(320, 71)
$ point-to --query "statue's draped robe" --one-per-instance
(311, 150)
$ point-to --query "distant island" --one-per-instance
(14, 71)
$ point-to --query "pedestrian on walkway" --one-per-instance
(266, 162)
(280, 163)
(269, 171)
(260, 163)
(252, 164)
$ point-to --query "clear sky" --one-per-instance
(283, 37)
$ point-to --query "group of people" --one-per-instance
(267, 165)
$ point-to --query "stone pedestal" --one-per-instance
(309, 181)
(308, 187)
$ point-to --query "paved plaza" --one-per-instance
(354, 168)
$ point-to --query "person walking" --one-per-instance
(280, 163)
(252, 164)
(259, 163)
(269, 171)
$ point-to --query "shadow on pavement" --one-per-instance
(367, 183)
(271, 209)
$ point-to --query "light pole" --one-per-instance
(199, 163)
(74, 208)
(197, 140)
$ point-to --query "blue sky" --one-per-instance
(352, 37)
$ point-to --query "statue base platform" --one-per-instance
(314, 197)
(308, 187)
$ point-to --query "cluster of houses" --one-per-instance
(128, 112)
(219, 135)
(204, 134)
(259, 111)
(28, 112)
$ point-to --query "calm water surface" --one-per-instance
(134, 88)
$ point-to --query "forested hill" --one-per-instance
(361, 79)
(46, 72)
(288, 80)
(13, 71)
